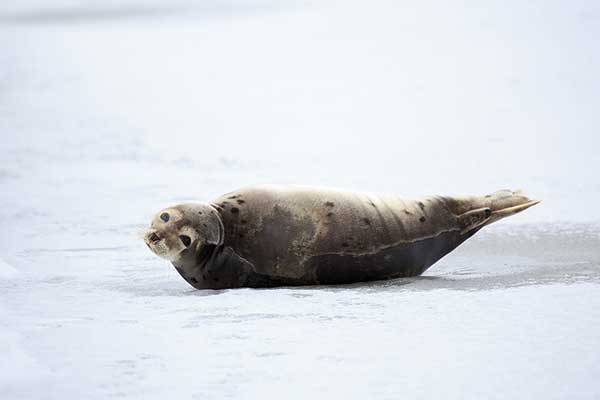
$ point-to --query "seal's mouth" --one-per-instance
(159, 245)
(153, 241)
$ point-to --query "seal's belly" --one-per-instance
(397, 261)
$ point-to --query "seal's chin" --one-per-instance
(161, 250)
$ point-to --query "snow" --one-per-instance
(109, 111)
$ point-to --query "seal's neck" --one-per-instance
(206, 254)
(193, 267)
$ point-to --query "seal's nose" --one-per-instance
(154, 238)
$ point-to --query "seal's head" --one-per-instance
(184, 230)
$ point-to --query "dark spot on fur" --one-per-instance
(367, 221)
(407, 212)
(421, 205)
(199, 212)
(330, 214)
(373, 204)
(232, 197)
(422, 219)
(193, 280)
(487, 196)
(244, 221)
(235, 210)
(329, 204)
(345, 244)
(204, 225)
(240, 201)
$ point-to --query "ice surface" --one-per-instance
(7, 271)
(110, 110)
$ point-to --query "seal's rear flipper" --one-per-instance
(473, 219)
(484, 210)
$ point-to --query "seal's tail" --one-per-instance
(475, 212)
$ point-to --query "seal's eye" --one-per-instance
(185, 240)
(164, 217)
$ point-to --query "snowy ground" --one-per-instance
(110, 110)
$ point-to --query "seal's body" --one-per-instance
(265, 236)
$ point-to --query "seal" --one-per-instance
(268, 236)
